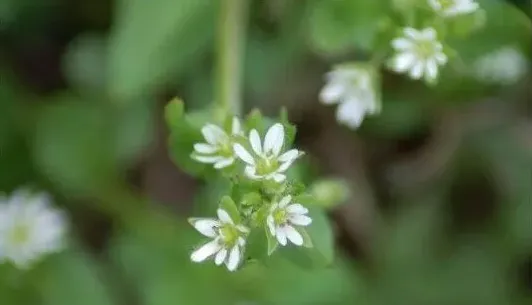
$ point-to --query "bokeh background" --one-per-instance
(440, 207)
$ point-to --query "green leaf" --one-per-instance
(337, 26)
(174, 112)
(153, 42)
(70, 278)
(230, 207)
(321, 234)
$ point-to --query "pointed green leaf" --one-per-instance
(173, 112)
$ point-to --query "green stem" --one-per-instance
(231, 27)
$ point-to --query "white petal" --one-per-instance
(207, 159)
(205, 226)
(205, 251)
(428, 34)
(224, 216)
(235, 127)
(403, 61)
(250, 171)
(293, 235)
(243, 154)
(203, 148)
(271, 224)
(224, 163)
(300, 220)
(285, 201)
(283, 167)
(350, 113)
(431, 69)
(277, 177)
(281, 236)
(213, 134)
(220, 257)
(289, 156)
(296, 208)
(411, 33)
(435, 4)
(242, 228)
(254, 140)
(441, 58)
(241, 241)
(417, 70)
(402, 44)
(332, 92)
(234, 259)
(273, 142)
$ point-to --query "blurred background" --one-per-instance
(440, 210)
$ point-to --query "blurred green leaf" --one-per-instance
(153, 42)
(340, 25)
(73, 278)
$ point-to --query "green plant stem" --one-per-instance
(232, 29)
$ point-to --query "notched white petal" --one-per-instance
(203, 148)
(205, 226)
(274, 140)
(205, 251)
(285, 201)
(224, 216)
(223, 163)
(254, 140)
(300, 220)
(243, 154)
(220, 257)
(296, 208)
(293, 235)
(234, 259)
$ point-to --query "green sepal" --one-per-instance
(227, 204)
(272, 241)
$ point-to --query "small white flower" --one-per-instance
(284, 218)
(451, 8)
(228, 240)
(504, 66)
(419, 53)
(219, 147)
(29, 228)
(353, 89)
(267, 162)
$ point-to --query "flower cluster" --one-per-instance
(260, 161)
(418, 53)
(29, 228)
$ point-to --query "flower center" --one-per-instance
(19, 234)
(229, 235)
(279, 216)
(266, 165)
(446, 4)
(425, 49)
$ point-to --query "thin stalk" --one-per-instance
(231, 33)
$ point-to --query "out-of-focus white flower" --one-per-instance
(504, 66)
(29, 228)
(267, 162)
(451, 8)
(228, 240)
(219, 147)
(284, 218)
(419, 53)
(353, 88)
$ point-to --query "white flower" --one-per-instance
(504, 66)
(268, 162)
(419, 53)
(219, 147)
(353, 89)
(451, 8)
(29, 228)
(228, 240)
(284, 218)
